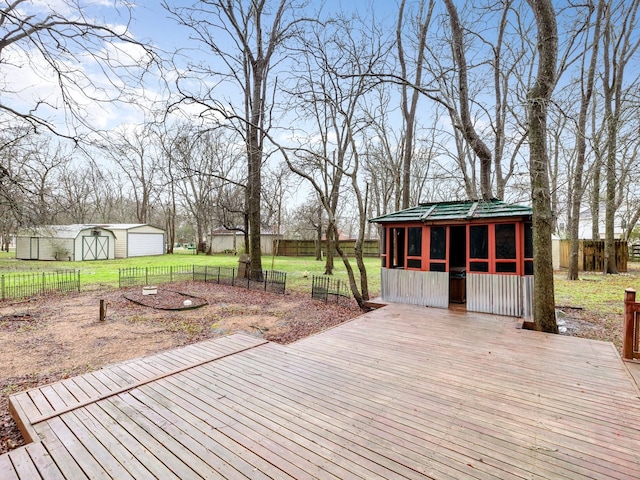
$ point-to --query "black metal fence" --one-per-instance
(21, 285)
(329, 290)
(266, 280)
(132, 276)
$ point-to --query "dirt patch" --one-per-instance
(594, 325)
(46, 339)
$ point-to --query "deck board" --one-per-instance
(400, 393)
(32, 405)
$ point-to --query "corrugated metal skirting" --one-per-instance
(479, 293)
(500, 294)
(527, 297)
(430, 289)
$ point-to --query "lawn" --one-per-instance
(593, 292)
(596, 292)
(104, 273)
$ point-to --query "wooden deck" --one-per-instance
(402, 392)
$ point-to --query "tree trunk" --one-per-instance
(409, 105)
(319, 236)
(538, 98)
(254, 179)
(330, 245)
(594, 204)
(619, 47)
(581, 146)
(468, 131)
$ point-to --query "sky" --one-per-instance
(27, 78)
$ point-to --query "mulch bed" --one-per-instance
(166, 299)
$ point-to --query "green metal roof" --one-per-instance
(447, 211)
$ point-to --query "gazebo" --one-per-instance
(478, 253)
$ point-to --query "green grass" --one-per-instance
(596, 292)
(101, 273)
(593, 292)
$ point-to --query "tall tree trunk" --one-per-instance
(468, 131)
(581, 147)
(254, 178)
(619, 46)
(330, 245)
(610, 81)
(538, 98)
(409, 105)
(594, 201)
(319, 236)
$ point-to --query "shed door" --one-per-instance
(140, 244)
(34, 247)
(95, 248)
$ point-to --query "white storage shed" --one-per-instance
(137, 239)
(66, 242)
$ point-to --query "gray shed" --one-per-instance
(66, 242)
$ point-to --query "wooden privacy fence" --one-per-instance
(591, 255)
(634, 252)
(21, 285)
(267, 280)
(631, 328)
(307, 248)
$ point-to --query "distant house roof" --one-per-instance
(449, 211)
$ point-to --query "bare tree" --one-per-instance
(54, 40)
(276, 189)
(249, 41)
(42, 160)
(75, 195)
(328, 92)
(538, 100)
(307, 223)
(410, 96)
(135, 152)
(466, 124)
(592, 43)
(619, 47)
